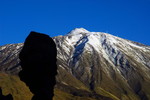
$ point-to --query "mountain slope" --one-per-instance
(95, 65)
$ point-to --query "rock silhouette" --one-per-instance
(7, 97)
(38, 62)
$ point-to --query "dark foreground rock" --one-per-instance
(38, 62)
(7, 97)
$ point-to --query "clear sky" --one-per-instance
(129, 19)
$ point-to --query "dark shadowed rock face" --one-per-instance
(38, 62)
(8, 97)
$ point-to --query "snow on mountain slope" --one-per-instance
(93, 57)
(80, 40)
(95, 61)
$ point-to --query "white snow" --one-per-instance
(18, 46)
(3, 47)
(73, 39)
(103, 43)
(61, 67)
(94, 41)
(78, 31)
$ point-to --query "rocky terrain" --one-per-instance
(91, 66)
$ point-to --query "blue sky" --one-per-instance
(129, 19)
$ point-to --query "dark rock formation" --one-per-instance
(38, 62)
(7, 97)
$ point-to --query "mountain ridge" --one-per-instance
(96, 63)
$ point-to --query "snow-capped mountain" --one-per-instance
(95, 65)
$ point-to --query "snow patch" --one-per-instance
(2, 48)
(78, 31)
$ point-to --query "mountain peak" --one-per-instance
(78, 31)
(91, 61)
